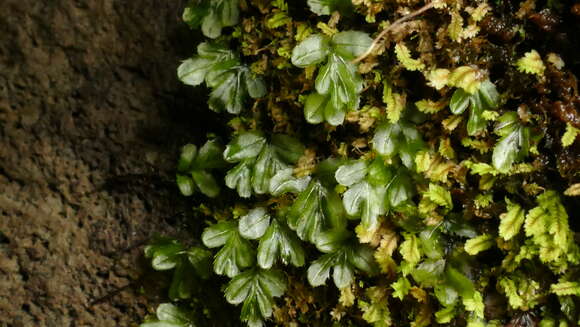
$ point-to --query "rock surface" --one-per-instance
(91, 119)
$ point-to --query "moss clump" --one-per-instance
(389, 163)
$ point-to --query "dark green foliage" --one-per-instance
(231, 81)
(373, 190)
(194, 166)
(258, 161)
(279, 242)
(168, 254)
(169, 315)
(236, 253)
(212, 15)
(514, 143)
(342, 255)
(315, 209)
(256, 289)
(338, 84)
(400, 139)
(485, 98)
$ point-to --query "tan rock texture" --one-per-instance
(91, 121)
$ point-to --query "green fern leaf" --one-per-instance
(511, 221)
(566, 288)
(478, 244)
(256, 289)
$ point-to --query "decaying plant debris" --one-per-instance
(389, 163)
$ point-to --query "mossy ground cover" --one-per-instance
(389, 163)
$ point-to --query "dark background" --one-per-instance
(92, 117)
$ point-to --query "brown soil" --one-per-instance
(91, 118)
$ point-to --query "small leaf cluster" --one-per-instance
(338, 84)
(398, 139)
(169, 254)
(547, 225)
(230, 80)
(514, 143)
(342, 257)
(254, 286)
(257, 161)
(373, 189)
(193, 170)
(256, 290)
(484, 98)
(169, 315)
(426, 260)
(212, 15)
